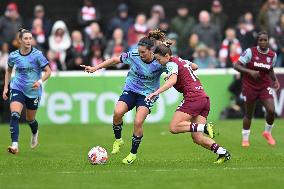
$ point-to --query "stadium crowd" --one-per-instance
(210, 41)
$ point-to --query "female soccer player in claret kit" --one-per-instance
(25, 86)
(191, 114)
(142, 79)
(258, 79)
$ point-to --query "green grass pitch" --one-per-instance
(165, 161)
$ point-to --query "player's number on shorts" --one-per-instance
(191, 72)
(270, 90)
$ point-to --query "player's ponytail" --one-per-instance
(157, 35)
(22, 31)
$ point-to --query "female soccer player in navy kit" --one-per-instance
(25, 87)
(142, 79)
(256, 65)
(192, 113)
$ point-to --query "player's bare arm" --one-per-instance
(46, 75)
(276, 84)
(242, 69)
(7, 80)
(105, 64)
(194, 66)
(168, 84)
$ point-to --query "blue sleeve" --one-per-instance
(11, 62)
(172, 68)
(245, 57)
(42, 60)
(126, 58)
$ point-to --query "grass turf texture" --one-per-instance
(164, 160)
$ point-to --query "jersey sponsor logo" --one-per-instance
(261, 65)
(199, 88)
(25, 70)
(142, 76)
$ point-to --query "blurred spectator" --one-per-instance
(182, 24)
(269, 15)
(188, 52)
(59, 41)
(122, 20)
(54, 63)
(246, 32)
(164, 26)
(207, 32)
(76, 54)
(94, 36)
(39, 13)
(4, 54)
(204, 58)
(96, 56)
(39, 34)
(156, 15)
(88, 14)
(230, 50)
(139, 28)
(117, 40)
(174, 39)
(279, 36)
(10, 23)
(218, 17)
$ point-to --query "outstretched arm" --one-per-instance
(105, 64)
(168, 84)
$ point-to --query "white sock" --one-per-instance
(15, 144)
(245, 134)
(268, 128)
(200, 127)
(221, 150)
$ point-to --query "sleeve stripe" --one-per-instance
(44, 66)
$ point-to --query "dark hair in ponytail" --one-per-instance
(22, 31)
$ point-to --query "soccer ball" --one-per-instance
(97, 155)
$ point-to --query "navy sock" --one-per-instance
(34, 126)
(117, 130)
(135, 143)
(14, 126)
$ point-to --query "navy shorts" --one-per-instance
(133, 99)
(18, 96)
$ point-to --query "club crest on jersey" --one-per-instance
(268, 59)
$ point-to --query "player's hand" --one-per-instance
(151, 96)
(5, 91)
(276, 85)
(255, 74)
(88, 69)
(36, 85)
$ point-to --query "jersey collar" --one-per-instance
(259, 50)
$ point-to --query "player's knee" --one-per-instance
(138, 122)
(15, 115)
(173, 130)
(118, 114)
(270, 111)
